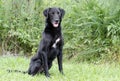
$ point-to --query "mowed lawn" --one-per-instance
(73, 71)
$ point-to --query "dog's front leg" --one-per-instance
(59, 58)
(46, 65)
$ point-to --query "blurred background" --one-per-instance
(91, 28)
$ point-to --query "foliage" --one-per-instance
(20, 25)
(91, 28)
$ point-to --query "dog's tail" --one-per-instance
(18, 71)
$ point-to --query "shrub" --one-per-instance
(91, 28)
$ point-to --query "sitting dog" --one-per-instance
(51, 44)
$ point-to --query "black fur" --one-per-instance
(36, 65)
(51, 43)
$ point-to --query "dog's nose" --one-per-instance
(57, 20)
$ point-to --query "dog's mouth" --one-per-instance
(55, 24)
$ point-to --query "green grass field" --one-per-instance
(73, 71)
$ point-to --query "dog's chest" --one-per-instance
(56, 42)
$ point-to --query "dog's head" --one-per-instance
(54, 15)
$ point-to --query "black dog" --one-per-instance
(51, 43)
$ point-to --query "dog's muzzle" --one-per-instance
(55, 23)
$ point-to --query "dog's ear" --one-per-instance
(45, 12)
(62, 12)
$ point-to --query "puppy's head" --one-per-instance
(54, 15)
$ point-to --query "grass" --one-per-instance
(73, 71)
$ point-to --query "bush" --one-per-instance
(91, 28)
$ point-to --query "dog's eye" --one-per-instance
(58, 13)
(53, 13)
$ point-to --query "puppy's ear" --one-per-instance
(45, 12)
(62, 12)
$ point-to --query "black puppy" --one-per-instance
(51, 44)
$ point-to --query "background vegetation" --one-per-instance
(91, 28)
